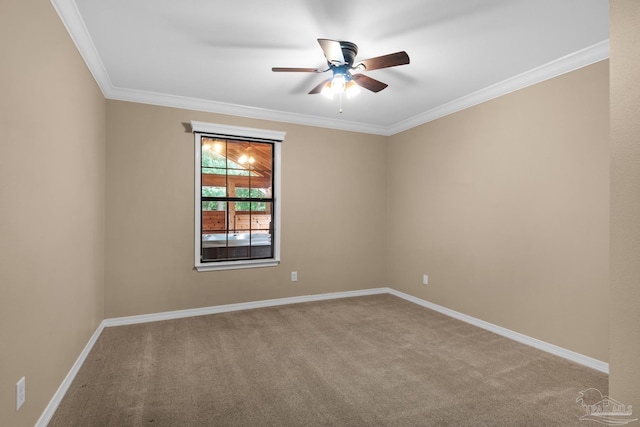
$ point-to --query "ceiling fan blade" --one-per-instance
(332, 51)
(386, 61)
(296, 70)
(318, 88)
(368, 83)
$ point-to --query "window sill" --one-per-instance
(235, 265)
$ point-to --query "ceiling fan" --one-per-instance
(346, 74)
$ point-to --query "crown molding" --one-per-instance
(187, 103)
(70, 16)
(571, 62)
(72, 20)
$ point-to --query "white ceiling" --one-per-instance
(217, 56)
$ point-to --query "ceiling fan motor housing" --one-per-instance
(349, 51)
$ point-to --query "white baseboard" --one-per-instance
(154, 317)
(66, 383)
(516, 336)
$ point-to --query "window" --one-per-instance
(237, 196)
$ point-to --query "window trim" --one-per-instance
(200, 129)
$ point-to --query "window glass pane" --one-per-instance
(236, 247)
(213, 171)
(262, 167)
(254, 193)
(238, 172)
(208, 191)
(258, 221)
(213, 152)
(213, 221)
(213, 205)
(239, 154)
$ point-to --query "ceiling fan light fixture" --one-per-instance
(327, 91)
(338, 83)
(351, 89)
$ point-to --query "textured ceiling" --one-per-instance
(217, 56)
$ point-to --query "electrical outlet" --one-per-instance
(425, 280)
(294, 276)
(20, 393)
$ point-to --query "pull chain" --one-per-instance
(340, 95)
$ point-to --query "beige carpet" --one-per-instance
(366, 361)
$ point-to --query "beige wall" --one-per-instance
(624, 379)
(505, 207)
(52, 145)
(333, 214)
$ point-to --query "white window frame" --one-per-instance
(201, 129)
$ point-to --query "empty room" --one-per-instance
(319, 213)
